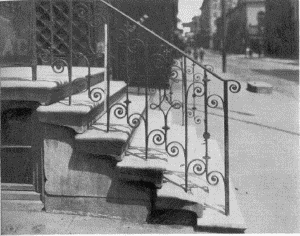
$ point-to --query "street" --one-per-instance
(264, 142)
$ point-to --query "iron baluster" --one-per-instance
(194, 97)
(34, 45)
(51, 31)
(185, 124)
(107, 79)
(182, 89)
(146, 99)
(226, 149)
(206, 134)
(127, 51)
(70, 64)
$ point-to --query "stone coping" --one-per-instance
(96, 140)
(50, 87)
(83, 112)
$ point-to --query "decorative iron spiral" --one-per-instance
(212, 100)
(190, 113)
(213, 178)
(58, 65)
(176, 104)
(235, 86)
(209, 67)
(45, 56)
(121, 36)
(153, 106)
(119, 110)
(173, 76)
(198, 76)
(82, 10)
(199, 166)
(198, 89)
(96, 94)
(135, 45)
(158, 136)
(134, 120)
(189, 70)
(152, 90)
(175, 73)
(197, 120)
(173, 148)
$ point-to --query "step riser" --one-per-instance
(129, 210)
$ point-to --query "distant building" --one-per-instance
(282, 28)
(211, 11)
(245, 27)
(191, 29)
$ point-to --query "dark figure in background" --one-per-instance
(196, 54)
(201, 52)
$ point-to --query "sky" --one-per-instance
(187, 9)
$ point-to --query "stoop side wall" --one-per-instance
(83, 183)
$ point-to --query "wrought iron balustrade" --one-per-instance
(66, 36)
(197, 91)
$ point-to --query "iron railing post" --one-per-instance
(146, 100)
(185, 94)
(226, 149)
(70, 63)
(206, 134)
(33, 45)
(182, 89)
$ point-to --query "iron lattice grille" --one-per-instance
(65, 27)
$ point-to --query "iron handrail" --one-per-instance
(162, 39)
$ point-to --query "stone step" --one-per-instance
(202, 197)
(50, 87)
(96, 140)
(134, 166)
(20, 195)
(83, 112)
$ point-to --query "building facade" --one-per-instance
(282, 28)
(245, 27)
(211, 11)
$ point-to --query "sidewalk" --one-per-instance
(256, 57)
(33, 222)
(273, 111)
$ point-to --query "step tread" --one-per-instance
(135, 158)
(50, 87)
(83, 111)
(212, 218)
(98, 141)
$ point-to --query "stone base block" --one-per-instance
(259, 87)
(131, 210)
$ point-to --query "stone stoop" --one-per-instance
(80, 162)
(168, 176)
